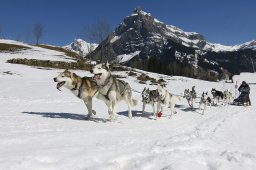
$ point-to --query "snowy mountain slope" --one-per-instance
(34, 53)
(43, 128)
(249, 45)
(81, 47)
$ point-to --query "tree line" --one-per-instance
(94, 33)
(38, 31)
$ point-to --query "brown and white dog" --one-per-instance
(82, 87)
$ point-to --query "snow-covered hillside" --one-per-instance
(33, 52)
(81, 47)
(43, 128)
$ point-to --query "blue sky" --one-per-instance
(228, 22)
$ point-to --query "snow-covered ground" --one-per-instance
(44, 129)
(34, 53)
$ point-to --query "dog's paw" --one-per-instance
(94, 112)
(112, 117)
(88, 116)
(130, 116)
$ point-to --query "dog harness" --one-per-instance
(115, 81)
(80, 89)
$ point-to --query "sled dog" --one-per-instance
(190, 96)
(166, 99)
(82, 87)
(112, 90)
(205, 100)
(149, 97)
(227, 97)
(217, 95)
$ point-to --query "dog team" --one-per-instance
(111, 90)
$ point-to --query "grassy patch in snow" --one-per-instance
(79, 65)
(11, 47)
(143, 78)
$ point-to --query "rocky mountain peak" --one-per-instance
(81, 47)
(144, 42)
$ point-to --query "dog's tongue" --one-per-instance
(96, 76)
(59, 85)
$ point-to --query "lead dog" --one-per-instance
(82, 87)
(166, 99)
(112, 90)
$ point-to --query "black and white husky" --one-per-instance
(205, 100)
(149, 97)
(217, 95)
(112, 90)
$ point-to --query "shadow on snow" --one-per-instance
(62, 115)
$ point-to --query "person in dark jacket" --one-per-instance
(244, 90)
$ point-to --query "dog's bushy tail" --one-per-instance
(134, 102)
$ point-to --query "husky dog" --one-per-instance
(217, 95)
(190, 96)
(149, 97)
(112, 90)
(227, 97)
(82, 87)
(166, 99)
(205, 100)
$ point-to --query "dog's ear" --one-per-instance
(107, 65)
(74, 78)
(72, 75)
(144, 89)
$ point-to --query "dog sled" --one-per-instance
(242, 100)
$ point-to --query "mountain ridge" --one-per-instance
(81, 47)
(144, 42)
